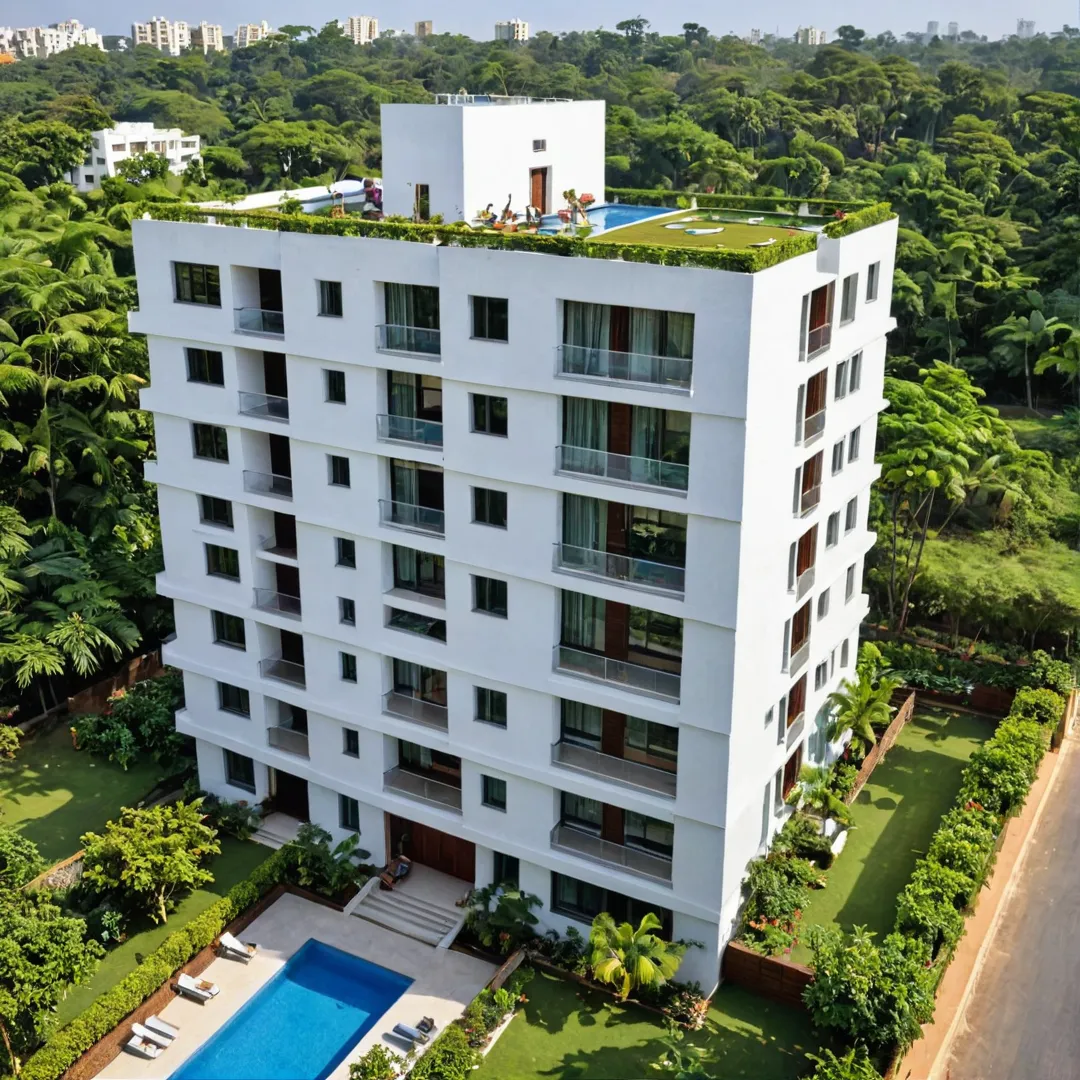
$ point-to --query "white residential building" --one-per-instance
(360, 29)
(1025, 28)
(533, 567)
(208, 37)
(162, 34)
(512, 30)
(41, 41)
(248, 33)
(811, 35)
(422, 28)
(124, 141)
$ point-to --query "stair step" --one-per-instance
(406, 914)
(415, 904)
(387, 922)
(268, 839)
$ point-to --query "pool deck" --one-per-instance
(444, 982)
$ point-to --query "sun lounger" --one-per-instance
(197, 989)
(410, 1034)
(236, 949)
(162, 1027)
(155, 1037)
(142, 1047)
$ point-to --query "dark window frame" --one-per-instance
(487, 323)
(346, 611)
(329, 293)
(334, 381)
(486, 700)
(348, 813)
(347, 667)
(209, 501)
(220, 628)
(212, 437)
(214, 554)
(338, 471)
(487, 416)
(493, 792)
(206, 366)
(349, 737)
(233, 758)
(197, 280)
(486, 592)
(243, 700)
(345, 552)
(486, 505)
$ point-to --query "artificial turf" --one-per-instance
(568, 1032)
(737, 235)
(894, 817)
(53, 793)
(237, 860)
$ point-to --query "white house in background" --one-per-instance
(41, 41)
(512, 30)
(537, 568)
(360, 29)
(162, 34)
(248, 33)
(124, 141)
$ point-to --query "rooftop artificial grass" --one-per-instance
(736, 235)
(895, 816)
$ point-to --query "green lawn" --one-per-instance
(737, 235)
(895, 816)
(1051, 433)
(237, 860)
(53, 794)
(568, 1032)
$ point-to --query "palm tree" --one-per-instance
(859, 705)
(632, 958)
(815, 793)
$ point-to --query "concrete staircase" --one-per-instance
(276, 830)
(408, 915)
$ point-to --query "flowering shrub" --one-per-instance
(777, 891)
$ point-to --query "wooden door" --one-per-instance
(538, 189)
(448, 854)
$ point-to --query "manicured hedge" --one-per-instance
(859, 220)
(73, 1040)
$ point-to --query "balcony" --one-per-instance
(286, 671)
(631, 774)
(402, 515)
(818, 339)
(264, 406)
(622, 568)
(407, 429)
(277, 603)
(809, 499)
(650, 372)
(422, 789)
(798, 657)
(292, 742)
(620, 673)
(253, 320)
(641, 863)
(272, 547)
(407, 707)
(795, 729)
(813, 426)
(622, 469)
(412, 340)
(804, 583)
(264, 483)
(411, 622)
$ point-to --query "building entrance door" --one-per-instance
(290, 794)
(430, 847)
(538, 189)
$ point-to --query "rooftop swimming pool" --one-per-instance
(302, 1023)
(608, 216)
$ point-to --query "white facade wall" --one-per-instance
(126, 140)
(361, 29)
(512, 30)
(42, 41)
(162, 34)
(248, 33)
(740, 526)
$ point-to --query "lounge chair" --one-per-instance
(410, 1034)
(396, 870)
(197, 989)
(235, 949)
(142, 1047)
(155, 1037)
(162, 1027)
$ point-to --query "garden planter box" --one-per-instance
(769, 976)
(992, 699)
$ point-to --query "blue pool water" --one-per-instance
(607, 217)
(302, 1023)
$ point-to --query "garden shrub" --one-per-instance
(10, 737)
(378, 1063)
(450, 1057)
(1044, 706)
(20, 861)
(934, 669)
(1000, 772)
(801, 836)
(501, 917)
(965, 842)
(843, 777)
(568, 952)
(778, 889)
(930, 908)
(854, 1065)
(1054, 674)
(239, 819)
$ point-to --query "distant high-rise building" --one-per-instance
(954, 31)
(208, 37)
(162, 34)
(248, 33)
(361, 29)
(423, 29)
(811, 35)
(755, 37)
(42, 41)
(512, 30)
(932, 29)
(1025, 28)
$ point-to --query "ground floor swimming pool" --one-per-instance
(302, 1023)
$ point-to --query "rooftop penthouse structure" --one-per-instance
(532, 556)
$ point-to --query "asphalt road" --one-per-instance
(1022, 1021)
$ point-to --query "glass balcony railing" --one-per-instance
(655, 372)
(415, 340)
(422, 788)
(804, 583)
(799, 657)
(408, 707)
(813, 426)
(632, 774)
(288, 671)
(277, 602)
(408, 429)
(292, 742)
(818, 339)
(622, 468)
(409, 516)
(264, 483)
(809, 499)
(622, 568)
(634, 861)
(621, 673)
(795, 729)
(264, 406)
(253, 320)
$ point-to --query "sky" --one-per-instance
(477, 17)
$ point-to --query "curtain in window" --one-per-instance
(582, 723)
(585, 423)
(404, 483)
(402, 394)
(646, 343)
(583, 621)
(588, 328)
(646, 434)
(405, 573)
(645, 832)
(412, 305)
(581, 811)
(584, 522)
(680, 335)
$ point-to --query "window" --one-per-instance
(770, 716)
(837, 457)
(854, 372)
(205, 366)
(851, 515)
(330, 298)
(488, 414)
(419, 571)
(657, 742)
(848, 299)
(648, 834)
(849, 583)
(348, 813)
(840, 387)
(197, 284)
(233, 699)
(821, 674)
(346, 611)
(581, 901)
(853, 445)
(215, 511)
(539, 145)
(493, 792)
(489, 507)
(228, 630)
(89, 178)
(505, 869)
(490, 318)
(823, 604)
(348, 667)
(489, 595)
(350, 742)
(346, 552)
(211, 442)
(845, 652)
(335, 386)
(490, 706)
(873, 272)
(339, 470)
(832, 530)
(239, 771)
(222, 562)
